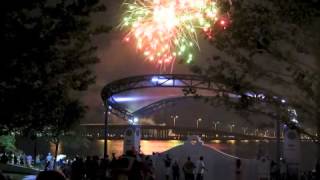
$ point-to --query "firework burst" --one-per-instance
(165, 30)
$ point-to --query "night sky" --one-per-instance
(119, 59)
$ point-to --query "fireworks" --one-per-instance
(165, 30)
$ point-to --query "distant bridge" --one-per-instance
(156, 132)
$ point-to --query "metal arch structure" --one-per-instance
(160, 105)
(183, 81)
(189, 83)
(159, 81)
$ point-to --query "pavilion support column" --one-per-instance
(278, 144)
(106, 114)
(318, 134)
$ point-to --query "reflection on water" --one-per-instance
(241, 149)
(147, 146)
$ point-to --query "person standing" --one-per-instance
(318, 169)
(188, 169)
(167, 164)
(29, 160)
(4, 158)
(238, 170)
(283, 170)
(273, 170)
(200, 169)
(175, 170)
(77, 169)
(15, 160)
(49, 160)
(88, 168)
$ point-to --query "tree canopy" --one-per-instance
(271, 47)
(47, 53)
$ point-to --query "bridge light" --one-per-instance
(261, 96)
(294, 120)
(127, 99)
(133, 121)
(250, 94)
(162, 80)
(216, 141)
(154, 79)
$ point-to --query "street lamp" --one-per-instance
(198, 120)
(231, 127)
(244, 130)
(256, 132)
(215, 123)
(174, 119)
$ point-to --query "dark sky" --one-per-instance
(119, 60)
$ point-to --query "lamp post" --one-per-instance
(198, 120)
(106, 114)
(244, 130)
(215, 123)
(231, 127)
(174, 119)
(256, 132)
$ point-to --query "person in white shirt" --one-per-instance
(29, 160)
(49, 162)
(200, 169)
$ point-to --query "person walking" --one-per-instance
(175, 170)
(200, 168)
(188, 169)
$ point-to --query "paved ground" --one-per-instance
(20, 177)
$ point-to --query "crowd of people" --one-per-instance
(20, 159)
(130, 166)
(190, 170)
(133, 166)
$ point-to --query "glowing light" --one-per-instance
(126, 99)
(293, 115)
(231, 141)
(133, 121)
(163, 81)
(245, 141)
(261, 96)
(250, 94)
(164, 30)
(216, 141)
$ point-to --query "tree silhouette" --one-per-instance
(46, 60)
(271, 47)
